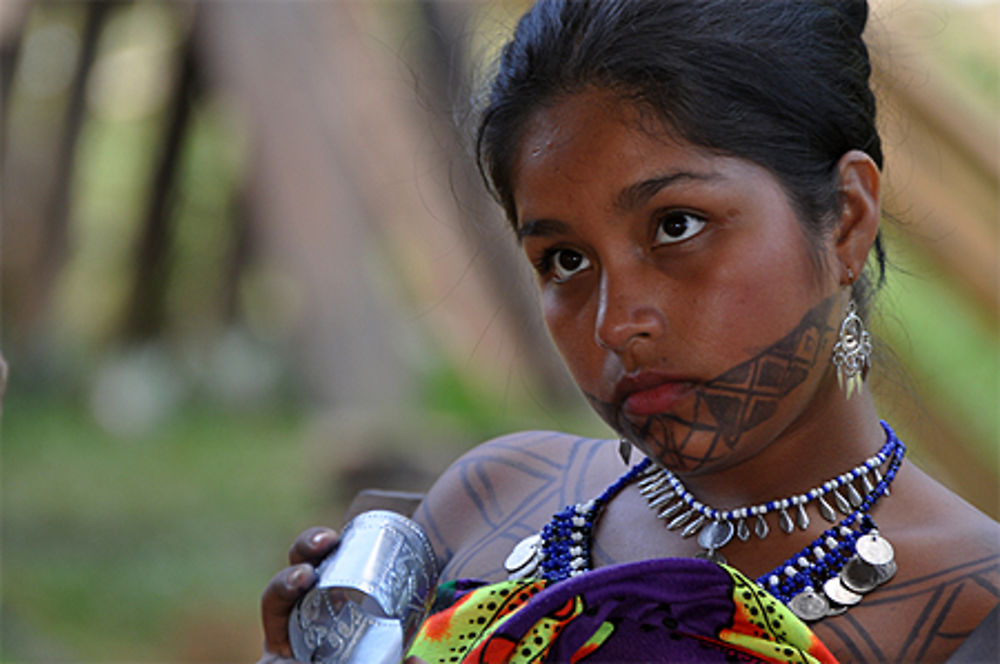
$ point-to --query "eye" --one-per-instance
(563, 264)
(677, 226)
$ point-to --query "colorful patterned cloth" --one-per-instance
(666, 610)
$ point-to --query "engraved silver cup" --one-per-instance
(371, 594)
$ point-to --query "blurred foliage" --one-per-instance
(155, 546)
(481, 408)
(949, 350)
(142, 517)
(965, 44)
(129, 548)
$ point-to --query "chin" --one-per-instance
(674, 444)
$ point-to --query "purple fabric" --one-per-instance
(667, 607)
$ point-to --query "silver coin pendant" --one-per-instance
(809, 605)
(524, 554)
(886, 572)
(836, 610)
(835, 590)
(875, 549)
(859, 576)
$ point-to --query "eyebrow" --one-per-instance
(628, 199)
(541, 228)
(639, 193)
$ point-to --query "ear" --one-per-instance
(860, 210)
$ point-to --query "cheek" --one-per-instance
(753, 295)
(571, 328)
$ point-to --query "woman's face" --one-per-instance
(677, 284)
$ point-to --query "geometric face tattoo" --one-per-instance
(734, 402)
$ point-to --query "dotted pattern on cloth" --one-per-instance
(472, 629)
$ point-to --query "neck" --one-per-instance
(829, 438)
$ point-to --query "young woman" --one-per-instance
(697, 186)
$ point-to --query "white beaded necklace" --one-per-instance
(715, 528)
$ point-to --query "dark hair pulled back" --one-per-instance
(781, 83)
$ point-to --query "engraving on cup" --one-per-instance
(329, 626)
(378, 580)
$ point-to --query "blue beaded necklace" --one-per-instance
(826, 558)
(833, 562)
(566, 539)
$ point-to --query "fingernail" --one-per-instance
(296, 578)
(320, 538)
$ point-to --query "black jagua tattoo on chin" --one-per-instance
(732, 403)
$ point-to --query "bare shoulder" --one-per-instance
(502, 491)
(948, 579)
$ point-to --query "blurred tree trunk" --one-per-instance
(56, 217)
(36, 238)
(283, 63)
(12, 19)
(239, 253)
(491, 240)
(145, 309)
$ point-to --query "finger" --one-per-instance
(276, 604)
(312, 546)
(271, 658)
(413, 659)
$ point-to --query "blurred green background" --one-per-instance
(248, 270)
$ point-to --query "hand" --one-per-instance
(287, 586)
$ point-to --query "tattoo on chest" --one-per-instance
(920, 620)
(733, 403)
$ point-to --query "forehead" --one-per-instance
(595, 143)
(590, 117)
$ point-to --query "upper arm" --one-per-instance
(499, 493)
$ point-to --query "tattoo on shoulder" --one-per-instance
(917, 620)
(507, 490)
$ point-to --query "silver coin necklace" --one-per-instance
(824, 579)
(829, 575)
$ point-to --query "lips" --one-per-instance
(651, 393)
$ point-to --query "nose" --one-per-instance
(629, 310)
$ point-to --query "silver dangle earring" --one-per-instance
(852, 352)
(624, 450)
